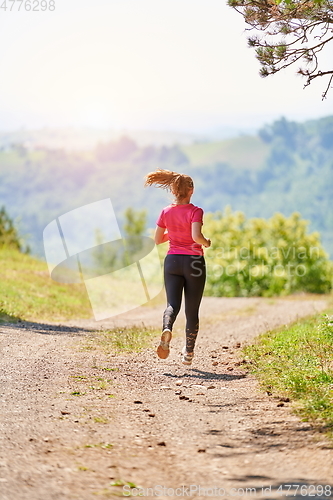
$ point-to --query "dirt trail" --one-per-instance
(74, 421)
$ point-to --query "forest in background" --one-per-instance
(286, 167)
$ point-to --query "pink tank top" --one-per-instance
(178, 221)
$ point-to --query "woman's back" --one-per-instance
(178, 219)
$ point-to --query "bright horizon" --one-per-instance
(142, 64)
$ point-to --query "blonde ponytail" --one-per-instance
(178, 184)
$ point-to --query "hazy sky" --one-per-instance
(164, 64)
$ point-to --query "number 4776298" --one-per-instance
(27, 5)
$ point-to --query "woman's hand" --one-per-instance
(208, 243)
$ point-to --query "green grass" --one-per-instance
(28, 293)
(77, 393)
(99, 445)
(91, 383)
(101, 420)
(297, 362)
(122, 339)
(240, 152)
(82, 467)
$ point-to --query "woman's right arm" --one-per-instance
(161, 235)
(197, 235)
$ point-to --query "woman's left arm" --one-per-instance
(161, 235)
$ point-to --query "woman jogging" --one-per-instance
(184, 265)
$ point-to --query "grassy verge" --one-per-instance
(297, 362)
(28, 293)
(121, 339)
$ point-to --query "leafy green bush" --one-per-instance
(263, 257)
(9, 236)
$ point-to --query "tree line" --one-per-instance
(296, 176)
(248, 257)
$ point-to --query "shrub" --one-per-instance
(264, 257)
(9, 236)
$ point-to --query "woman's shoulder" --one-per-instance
(189, 206)
(167, 208)
(195, 207)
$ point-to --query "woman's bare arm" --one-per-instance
(161, 235)
(197, 235)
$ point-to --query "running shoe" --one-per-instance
(163, 349)
(186, 357)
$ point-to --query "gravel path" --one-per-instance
(75, 421)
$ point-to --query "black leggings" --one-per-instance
(186, 272)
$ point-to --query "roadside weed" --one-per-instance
(101, 420)
(297, 362)
(121, 339)
(102, 445)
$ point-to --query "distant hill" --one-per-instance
(244, 152)
(286, 167)
(86, 138)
